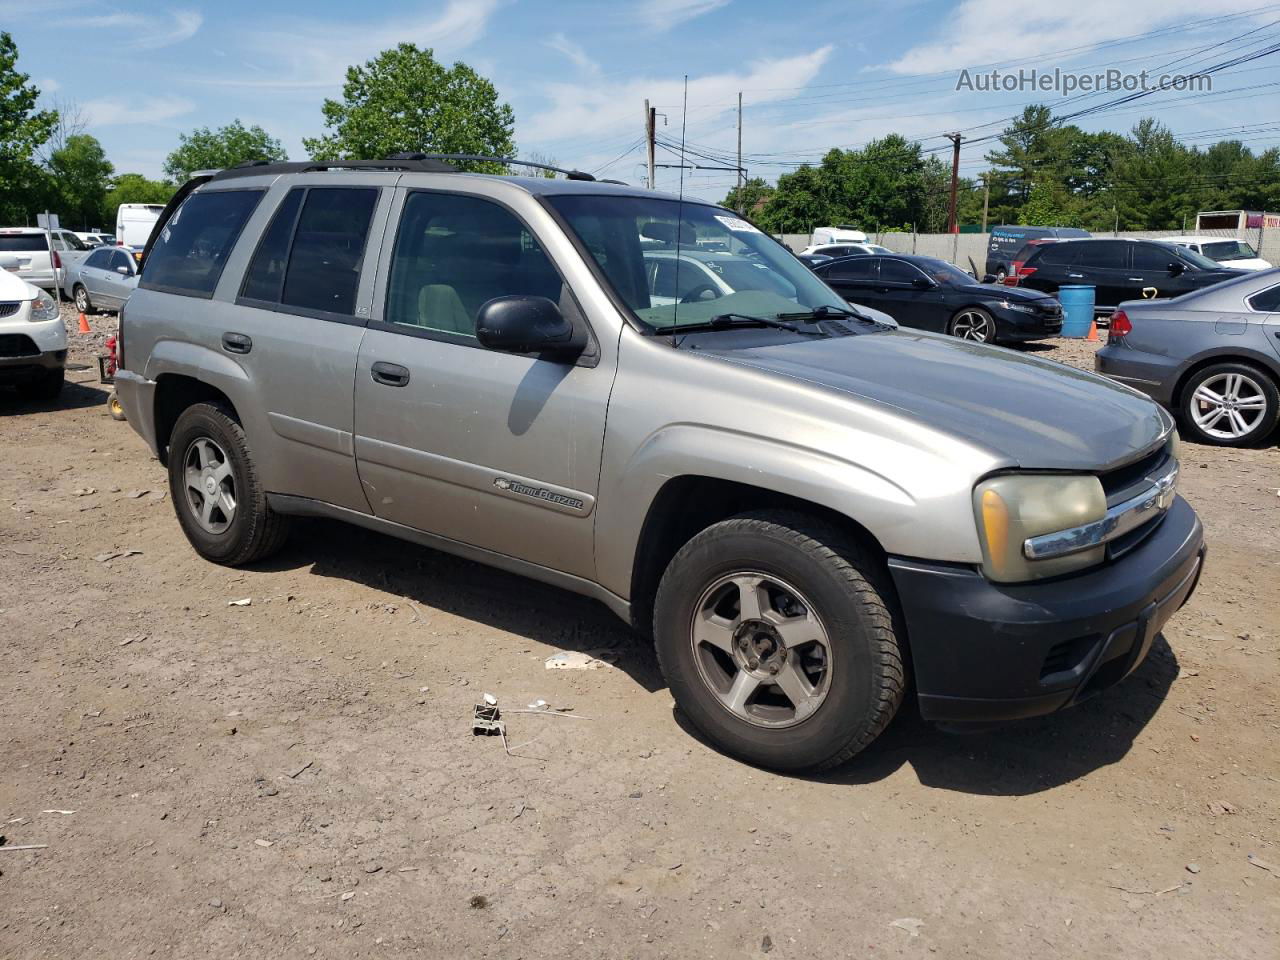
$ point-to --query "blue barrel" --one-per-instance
(1077, 309)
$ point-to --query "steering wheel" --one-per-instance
(694, 295)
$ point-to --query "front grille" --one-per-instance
(1127, 481)
(17, 345)
(9, 308)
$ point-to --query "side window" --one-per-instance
(1152, 257)
(1110, 254)
(1054, 255)
(328, 247)
(455, 253)
(99, 258)
(1268, 301)
(265, 277)
(191, 250)
(895, 271)
(55, 239)
(119, 259)
(862, 268)
(73, 242)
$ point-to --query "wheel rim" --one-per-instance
(82, 300)
(972, 325)
(1228, 406)
(761, 650)
(209, 485)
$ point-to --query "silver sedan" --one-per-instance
(104, 280)
(1211, 356)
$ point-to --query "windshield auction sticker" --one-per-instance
(737, 225)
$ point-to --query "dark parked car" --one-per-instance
(812, 260)
(931, 294)
(1121, 269)
(1212, 357)
(1007, 241)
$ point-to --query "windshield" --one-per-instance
(1228, 250)
(674, 263)
(1196, 259)
(939, 271)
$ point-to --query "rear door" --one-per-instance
(856, 280)
(496, 450)
(1105, 264)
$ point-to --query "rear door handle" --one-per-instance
(236, 343)
(389, 374)
(1137, 279)
(1076, 276)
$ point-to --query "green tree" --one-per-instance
(22, 130)
(82, 176)
(797, 205)
(747, 196)
(134, 188)
(404, 100)
(207, 149)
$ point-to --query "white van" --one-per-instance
(134, 222)
(841, 234)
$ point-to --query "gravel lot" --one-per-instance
(297, 777)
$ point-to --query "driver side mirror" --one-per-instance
(1176, 269)
(123, 271)
(526, 325)
(989, 278)
(923, 283)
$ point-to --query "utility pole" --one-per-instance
(741, 204)
(955, 138)
(650, 121)
(986, 197)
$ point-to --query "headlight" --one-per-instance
(1020, 307)
(1014, 507)
(43, 308)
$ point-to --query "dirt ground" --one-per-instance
(296, 777)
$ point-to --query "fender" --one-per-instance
(1227, 352)
(886, 507)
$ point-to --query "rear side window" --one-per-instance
(265, 277)
(1267, 301)
(860, 268)
(22, 242)
(1113, 254)
(1054, 254)
(190, 252)
(328, 247)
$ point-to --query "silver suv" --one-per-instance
(809, 511)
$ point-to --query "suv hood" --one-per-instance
(1034, 413)
(13, 287)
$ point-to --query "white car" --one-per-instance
(850, 249)
(1228, 252)
(97, 239)
(36, 262)
(841, 234)
(33, 338)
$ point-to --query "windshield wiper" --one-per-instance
(726, 321)
(824, 311)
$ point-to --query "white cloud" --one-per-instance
(306, 53)
(665, 14)
(603, 109)
(573, 52)
(982, 31)
(115, 111)
(143, 32)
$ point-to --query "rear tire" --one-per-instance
(213, 481)
(81, 296)
(1229, 405)
(47, 387)
(832, 606)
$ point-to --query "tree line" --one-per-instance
(1040, 173)
(401, 100)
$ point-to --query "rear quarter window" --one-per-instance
(190, 252)
(22, 242)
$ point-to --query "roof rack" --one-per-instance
(259, 168)
(509, 161)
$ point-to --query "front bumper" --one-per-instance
(1019, 326)
(986, 652)
(137, 396)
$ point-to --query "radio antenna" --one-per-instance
(684, 119)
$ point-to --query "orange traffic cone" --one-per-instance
(1093, 330)
(84, 324)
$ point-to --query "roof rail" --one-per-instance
(259, 168)
(510, 161)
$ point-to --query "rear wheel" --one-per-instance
(973, 323)
(115, 408)
(1230, 405)
(775, 634)
(83, 303)
(213, 480)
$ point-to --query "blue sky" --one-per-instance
(813, 74)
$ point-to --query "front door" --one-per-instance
(912, 306)
(116, 286)
(496, 450)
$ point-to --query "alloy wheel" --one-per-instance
(82, 299)
(972, 325)
(1228, 406)
(761, 649)
(210, 485)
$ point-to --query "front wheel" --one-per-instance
(973, 323)
(775, 633)
(213, 481)
(83, 303)
(1230, 405)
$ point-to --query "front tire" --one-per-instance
(216, 493)
(1229, 405)
(83, 303)
(973, 323)
(777, 636)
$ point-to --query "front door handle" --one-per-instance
(236, 343)
(1136, 279)
(1076, 276)
(389, 374)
